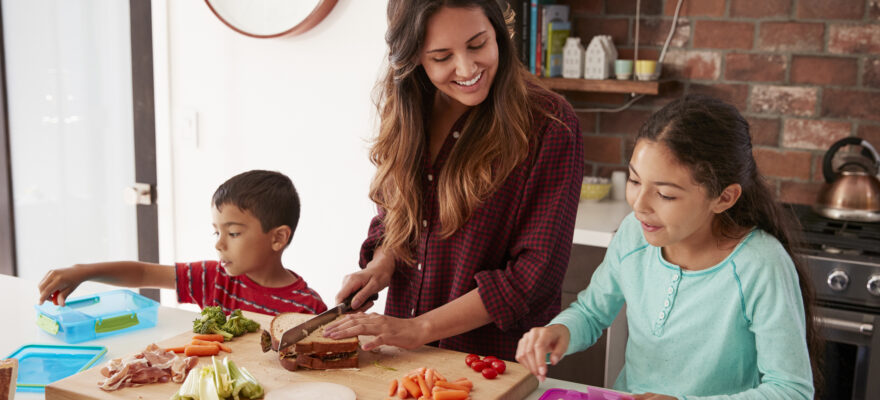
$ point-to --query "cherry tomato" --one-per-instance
(489, 359)
(470, 359)
(54, 297)
(480, 365)
(499, 366)
(489, 373)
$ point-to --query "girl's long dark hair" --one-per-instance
(712, 139)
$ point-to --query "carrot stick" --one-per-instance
(451, 395)
(198, 351)
(411, 387)
(438, 376)
(429, 378)
(211, 337)
(401, 391)
(423, 387)
(178, 349)
(393, 388)
(453, 386)
(219, 345)
(464, 382)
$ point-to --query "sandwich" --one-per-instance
(312, 352)
(8, 377)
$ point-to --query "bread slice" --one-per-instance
(314, 351)
(8, 377)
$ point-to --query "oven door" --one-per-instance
(851, 364)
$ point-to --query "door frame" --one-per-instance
(143, 100)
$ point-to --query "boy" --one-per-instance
(254, 216)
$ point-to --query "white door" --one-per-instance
(71, 132)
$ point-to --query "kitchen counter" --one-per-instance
(19, 296)
(598, 220)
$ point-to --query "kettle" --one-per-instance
(852, 190)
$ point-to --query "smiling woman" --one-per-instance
(271, 18)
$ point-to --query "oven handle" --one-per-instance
(846, 326)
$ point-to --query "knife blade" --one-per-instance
(304, 329)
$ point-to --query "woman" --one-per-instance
(477, 183)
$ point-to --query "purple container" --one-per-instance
(593, 393)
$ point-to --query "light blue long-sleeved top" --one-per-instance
(732, 331)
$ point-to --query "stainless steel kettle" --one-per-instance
(852, 189)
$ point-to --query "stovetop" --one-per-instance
(843, 259)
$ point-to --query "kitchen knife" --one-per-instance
(304, 329)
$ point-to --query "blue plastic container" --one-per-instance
(97, 316)
(42, 364)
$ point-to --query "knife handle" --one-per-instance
(346, 303)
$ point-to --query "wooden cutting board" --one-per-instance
(370, 381)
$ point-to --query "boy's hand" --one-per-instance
(58, 284)
(537, 343)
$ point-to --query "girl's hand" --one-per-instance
(537, 343)
(58, 284)
(405, 333)
(653, 396)
(367, 282)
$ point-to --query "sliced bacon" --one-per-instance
(150, 366)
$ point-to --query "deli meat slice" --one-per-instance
(150, 366)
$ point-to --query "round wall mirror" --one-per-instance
(271, 18)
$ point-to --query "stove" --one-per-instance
(843, 259)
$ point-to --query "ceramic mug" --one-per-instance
(623, 69)
(645, 69)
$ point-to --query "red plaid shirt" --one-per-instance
(514, 248)
(206, 283)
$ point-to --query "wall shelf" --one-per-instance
(608, 85)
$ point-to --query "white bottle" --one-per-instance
(573, 58)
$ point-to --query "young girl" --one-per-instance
(716, 304)
(478, 172)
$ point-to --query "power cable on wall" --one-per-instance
(636, 54)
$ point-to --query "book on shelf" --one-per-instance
(557, 32)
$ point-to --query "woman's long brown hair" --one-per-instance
(495, 137)
(712, 139)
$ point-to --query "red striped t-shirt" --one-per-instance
(207, 284)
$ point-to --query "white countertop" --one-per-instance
(598, 220)
(19, 296)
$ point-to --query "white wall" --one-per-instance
(301, 105)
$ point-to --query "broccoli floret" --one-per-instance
(211, 321)
(238, 325)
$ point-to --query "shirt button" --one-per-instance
(456, 134)
(674, 278)
(425, 224)
(430, 177)
(669, 290)
(665, 303)
(662, 315)
(413, 312)
(420, 267)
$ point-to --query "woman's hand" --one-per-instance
(59, 283)
(537, 343)
(406, 333)
(367, 282)
(653, 396)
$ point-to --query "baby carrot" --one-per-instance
(178, 349)
(411, 387)
(464, 382)
(450, 385)
(423, 387)
(401, 391)
(429, 378)
(219, 345)
(451, 395)
(198, 351)
(211, 337)
(393, 388)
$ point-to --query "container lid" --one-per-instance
(42, 364)
(593, 393)
(109, 304)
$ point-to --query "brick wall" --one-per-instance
(805, 73)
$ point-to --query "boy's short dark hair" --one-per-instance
(268, 195)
